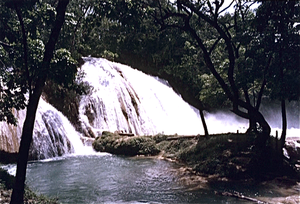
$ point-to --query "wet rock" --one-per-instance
(293, 149)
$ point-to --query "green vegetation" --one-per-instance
(226, 155)
(120, 145)
(233, 156)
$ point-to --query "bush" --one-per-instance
(159, 138)
(130, 146)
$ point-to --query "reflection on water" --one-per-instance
(111, 179)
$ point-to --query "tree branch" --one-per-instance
(226, 36)
(5, 44)
(226, 7)
(214, 45)
(209, 63)
(25, 46)
(262, 87)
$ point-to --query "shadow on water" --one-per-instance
(112, 179)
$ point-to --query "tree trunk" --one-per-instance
(252, 126)
(203, 122)
(17, 196)
(264, 135)
(256, 116)
(284, 124)
(18, 191)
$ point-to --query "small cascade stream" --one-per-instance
(54, 134)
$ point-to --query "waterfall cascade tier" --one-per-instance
(127, 100)
(10, 134)
(53, 134)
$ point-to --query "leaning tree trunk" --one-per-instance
(252, 123)
(264, 134)
(284, 124)
(18, 191)
(254, 115)
(252, 126)
(203, 122)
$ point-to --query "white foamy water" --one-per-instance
(53, 134)
(224, 122)
(125, 99)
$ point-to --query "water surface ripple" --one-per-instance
(107, 178)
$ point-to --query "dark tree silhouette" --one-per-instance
(34, 96)
(189, 16)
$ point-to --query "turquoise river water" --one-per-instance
(105, 178)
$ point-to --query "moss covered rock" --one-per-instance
(122, 145)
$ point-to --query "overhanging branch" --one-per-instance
(25, 46)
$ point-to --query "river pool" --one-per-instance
(106, 178)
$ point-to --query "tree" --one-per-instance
(279, 35)
(190, 16)
(11, 91)
(31, 76)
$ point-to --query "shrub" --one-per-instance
(130, 146)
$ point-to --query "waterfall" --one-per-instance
(10, 134)
(53, 134)
(120, 99)
(127, 100)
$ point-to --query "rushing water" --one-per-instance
(125, 99)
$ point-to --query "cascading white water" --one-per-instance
(10, 135)
(53, 134)
(125, 99)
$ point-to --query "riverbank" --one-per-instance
(217, 160)
(221, 159)
(227, 156)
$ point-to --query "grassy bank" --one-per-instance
(226, 155)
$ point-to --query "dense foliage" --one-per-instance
(30, 58)
(132, 33)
